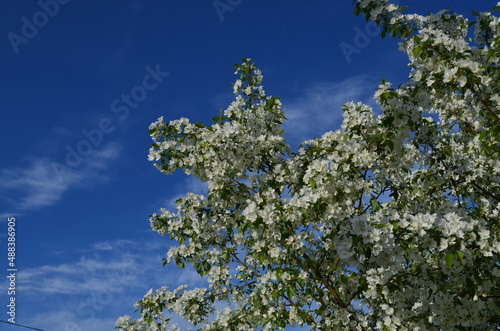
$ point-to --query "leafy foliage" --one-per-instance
(389, 223)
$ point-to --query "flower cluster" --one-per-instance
(389, 223)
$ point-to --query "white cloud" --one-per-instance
(33, 185)
(319, 108)
(78, 277)
(92, 291)
(38, 185)
(65, 320)
(111, 264)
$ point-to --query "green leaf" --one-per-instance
(368, 253)
(198, 124)
(320, 310)
(344, 279)
(388, 120)
(389, 144)
(357, 10)
(203, 268)
(179, 263)
(394, 194)
(278, 275)
(460, 256)
(450, 257)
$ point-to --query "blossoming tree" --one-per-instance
(389, 223)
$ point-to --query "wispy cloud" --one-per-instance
(102, 284)
(319, 108)
(36, 185)
(64, 320)
(98, 268)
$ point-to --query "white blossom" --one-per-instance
(389, 222)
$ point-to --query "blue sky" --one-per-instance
(80, 83)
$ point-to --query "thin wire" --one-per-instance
(23, 326)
